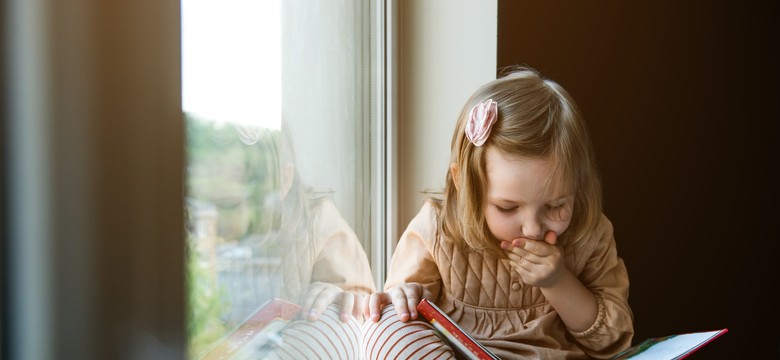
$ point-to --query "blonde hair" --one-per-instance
(536, 119)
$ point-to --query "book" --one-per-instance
(260, 328)
(460, 341)
(672, 347)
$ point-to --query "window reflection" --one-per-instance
(257, 233)
(233, 215)
(276, 210)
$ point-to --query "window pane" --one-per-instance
(277, 100)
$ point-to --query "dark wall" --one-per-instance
(682, 101)
(3, 161)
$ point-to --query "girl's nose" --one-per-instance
(532, 228)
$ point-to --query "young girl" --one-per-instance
(517, 251)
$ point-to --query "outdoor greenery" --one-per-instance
(206, 307)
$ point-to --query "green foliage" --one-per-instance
(223, 170)
(206, 307)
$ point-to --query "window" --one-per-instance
(283, 105)
(93, 152)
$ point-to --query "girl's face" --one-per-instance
(516, 205)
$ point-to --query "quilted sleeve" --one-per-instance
(606, 276)
(412, 260)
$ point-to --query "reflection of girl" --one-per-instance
(518, 251)
(324, 268)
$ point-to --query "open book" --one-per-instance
(261, 328)
(671, 347)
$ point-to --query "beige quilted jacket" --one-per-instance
(514, 320)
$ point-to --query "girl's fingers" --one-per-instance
(347, 303)
(403, 297)
(367, 306)
(530, 273)
(357, 308)
(532, 250)
(405, 300)
(533, 258)
(525, 267)
(401, 304)
(540, 248)
(551, 238)
(374, 305)
(514, 259)
(323, 299)
(519, 256)
(311, 295)
(412, 299)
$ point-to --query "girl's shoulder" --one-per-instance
(603, 229)
(596, 230)
(424, 227)
(597, 239)
(427, 218)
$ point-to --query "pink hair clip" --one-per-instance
(482, 117)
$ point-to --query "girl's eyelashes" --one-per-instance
(505, 209)
(558, 212)
(555, 207)
(548, 208)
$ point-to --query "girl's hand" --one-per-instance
(319, 295)
(404, 298)
(539, 263)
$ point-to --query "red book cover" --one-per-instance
(261, 327)
(460, 341)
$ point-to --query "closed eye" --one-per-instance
(506, 209)
(559, 212)
(555, 207)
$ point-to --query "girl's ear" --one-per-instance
(288, 173)
(454, 172)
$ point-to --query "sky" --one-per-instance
(231, 61)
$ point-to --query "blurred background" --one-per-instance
(682, 102)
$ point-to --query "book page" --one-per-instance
(669, 347)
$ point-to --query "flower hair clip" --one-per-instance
(481, 118)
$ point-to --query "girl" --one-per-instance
(517, 250)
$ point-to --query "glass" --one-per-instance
(278, 108)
